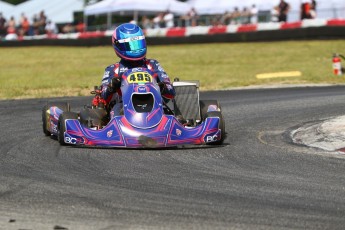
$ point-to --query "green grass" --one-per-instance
(58, 71)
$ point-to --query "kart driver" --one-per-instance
(129, 43)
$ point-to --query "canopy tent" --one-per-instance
(135, 7)
(149, 6)
(56, 10)
(216, 6)
(6, 9)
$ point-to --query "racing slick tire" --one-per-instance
(62, 125)
(204, 106)
(221, 126)
(64, 106)
(93, 117)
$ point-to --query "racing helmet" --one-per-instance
(129, 42)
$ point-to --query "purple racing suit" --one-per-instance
(116, 70)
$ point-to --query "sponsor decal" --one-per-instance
(70, 140)
(142, 89)
(160, 68)
(178, 132)
(131, 39)
(137, 38)
(53, 127)
(123, 69)
(106, 74)
(110, 133)
(137, 69)
(211, 138)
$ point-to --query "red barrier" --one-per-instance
(217, 30)
(176, 32)
(247, 28)
(336, 22)
(291, 25)
(85, 35)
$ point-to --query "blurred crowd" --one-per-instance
(168, 20)
(41, 24)
(307, 10)
(246, 15)
(38, 25)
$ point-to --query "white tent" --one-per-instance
(56, 10)
(214, 6)
(130, 6)
(98, 8)
(6, 9)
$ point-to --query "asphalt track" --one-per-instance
(257, 180)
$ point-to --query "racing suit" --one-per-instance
(116, 70)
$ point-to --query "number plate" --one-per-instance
(139, 77)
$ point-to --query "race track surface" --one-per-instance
(257, 180)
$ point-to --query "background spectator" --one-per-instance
(305, 9)
(35, 25)
(254, 14)
(3, 30)
(245, 16)
(225, 19)
(24, 26)
(168, 19)
(145, 22)
(11, 26)
(313, 9)
(68, 28)
(283, 9)
(157, 21)
(190, 19)
(80, 26)
(42, 20)
(236, 16)
(51, 28)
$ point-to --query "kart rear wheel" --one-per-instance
(65, 106)
(94, 117)
(221, 126)
(204, 104)
(62, 125)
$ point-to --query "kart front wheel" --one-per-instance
(221, 126)
(204, 104)
(62, 125)
(64, 106)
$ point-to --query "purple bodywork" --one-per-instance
(143, 125)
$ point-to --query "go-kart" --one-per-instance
(146, 120)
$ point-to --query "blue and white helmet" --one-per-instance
(129, 42)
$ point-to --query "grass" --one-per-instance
(34, 72)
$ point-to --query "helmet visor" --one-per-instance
(131, 44)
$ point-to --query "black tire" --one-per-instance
(65, 106)
(62, 125)
(221, 126)
(204, 106)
